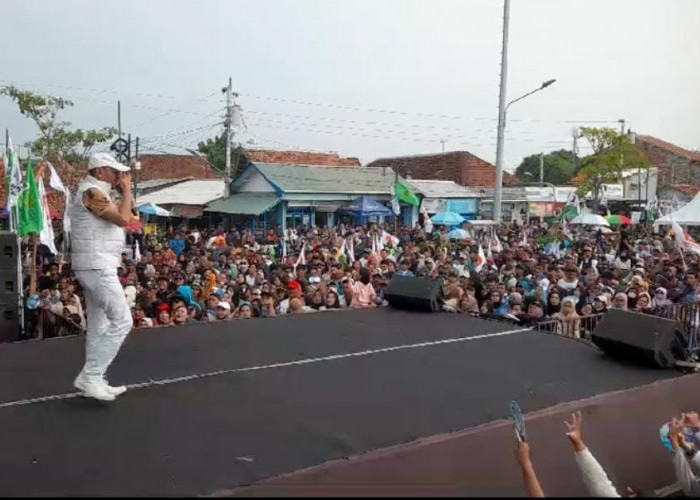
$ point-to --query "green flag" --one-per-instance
(29, 210)
(405, 195)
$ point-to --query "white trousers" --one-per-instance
(108, 320)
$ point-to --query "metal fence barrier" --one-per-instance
(47, 324)
(576, 327)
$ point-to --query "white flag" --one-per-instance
(56, 183)
(394, 201)
(14, 174)
(480, 259)
(137, 252)
(389, 238)
(351, 248)
(46, 236)
(301, 259)
(427, 221)
(496, 244)
(685, 241)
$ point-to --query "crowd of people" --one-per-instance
(528, 274)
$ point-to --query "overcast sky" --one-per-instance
(363, 78)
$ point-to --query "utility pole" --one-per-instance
(574, 134)
(119, 118)
(228, 123)
(501, 116)
(443, 141)
(137, 167)
(541, 169)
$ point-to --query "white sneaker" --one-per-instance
(115, 390)
(93, 390)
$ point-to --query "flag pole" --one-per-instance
(39, 177)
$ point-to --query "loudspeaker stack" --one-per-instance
(10, 287)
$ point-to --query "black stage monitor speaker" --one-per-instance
(639, 337)
(9, 250)
(9, 285)
(414, 294)
(9, 323)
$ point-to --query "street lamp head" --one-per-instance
(548, 83)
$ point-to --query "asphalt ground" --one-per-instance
(214, 407)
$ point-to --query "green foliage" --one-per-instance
(215, 151)
(558, 168)
(56, 142)
(613, 153)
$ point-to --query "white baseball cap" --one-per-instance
(98, 160)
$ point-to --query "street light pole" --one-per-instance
(499, 146)
(498, 193)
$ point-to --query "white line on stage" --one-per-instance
(305, 361)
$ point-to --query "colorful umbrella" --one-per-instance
(619, 220)
(152, 209)
(447, 218)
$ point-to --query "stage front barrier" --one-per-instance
(44, 324)
(579, 327)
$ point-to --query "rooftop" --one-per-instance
(194, 192)
(327, 179)
(300, 158)
(672, 148)
(443, 189)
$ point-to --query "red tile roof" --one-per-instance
(300, 158)
(672, 148)
(686, 189)
(461, 167)
(174, 167)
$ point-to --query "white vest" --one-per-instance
(95, 243)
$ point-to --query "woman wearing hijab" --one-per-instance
(660, 299)
(619, 301)
(569, 323)
(643, 303)
(553, 304)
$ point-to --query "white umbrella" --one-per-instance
(590, 220)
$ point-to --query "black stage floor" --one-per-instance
(290, 393)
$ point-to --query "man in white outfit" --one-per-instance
(97, 242)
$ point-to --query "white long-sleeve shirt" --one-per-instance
(685, 473)
(594, 476)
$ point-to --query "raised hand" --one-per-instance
(124, 183)
(691, 420)
(574, 431)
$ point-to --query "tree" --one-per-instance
(215, 151)
(558, 168)
(57, 142)
(613, 153)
